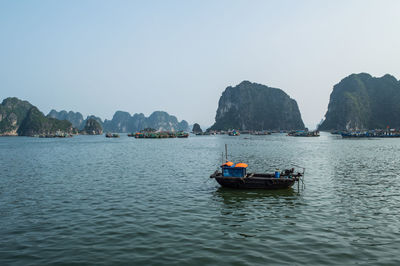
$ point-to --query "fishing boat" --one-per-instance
(182, 134)
(160, 135)
(260, 133)
(304, 133)
(113, 135)
(371, 134)
(235, 176)
(229, 178)
(234, 133)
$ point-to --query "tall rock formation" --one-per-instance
(361, 101)
(92, 127)
(21, 118)
(12, 112)
(75, 118)
(98, 119)
(252, 106)
(35, 123)
(197, 128)
(123, 122)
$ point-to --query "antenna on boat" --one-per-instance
(301, 178)
(226, 152)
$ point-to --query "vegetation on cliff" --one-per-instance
(12, 112)
(92, 127)
(361, 101)
(76, 119)
(35, 123)
(21, 118)
(252, 106)
(197, 128)
(123, 122)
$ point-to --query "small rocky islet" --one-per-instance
(357, 102)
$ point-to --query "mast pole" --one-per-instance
(226, 152)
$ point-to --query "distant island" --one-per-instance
(357, 102)
(76, 118)
(361, 101)
(196, 128)
(92, 127)
(252, 106)
(123, 122)
(21, 118)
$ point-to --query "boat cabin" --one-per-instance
(230, 169)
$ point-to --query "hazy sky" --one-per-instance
(97, 57)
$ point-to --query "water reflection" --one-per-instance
(233, 196)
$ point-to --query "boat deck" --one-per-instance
(257, 180)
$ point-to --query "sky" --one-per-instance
(97, 57)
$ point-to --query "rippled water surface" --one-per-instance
(92, 200)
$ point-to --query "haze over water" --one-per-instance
(91, 200)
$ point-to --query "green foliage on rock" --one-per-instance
(361, 101)
(12, 112)
(197, 128)
(123, 122)
(76, 119)
(21, 118)
(252, 106)
(92, 127)
(36, 123)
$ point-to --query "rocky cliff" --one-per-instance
(12, 112)
(75, 118)
(92, 127)
(361, 101)
(123, 122)
(35, 123)
(252, 106)
(197, 128)
(21, 118)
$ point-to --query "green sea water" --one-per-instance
(89, 200)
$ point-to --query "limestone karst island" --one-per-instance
(359, 102)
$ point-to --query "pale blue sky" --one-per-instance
(97, 57)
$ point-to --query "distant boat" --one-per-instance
(234, 133)
(304, 133)
(336, 132)
(260, 133)
(160, 135)
(112, 135)
(182, 135)
(371, 134)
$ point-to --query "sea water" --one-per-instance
(93, 200)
